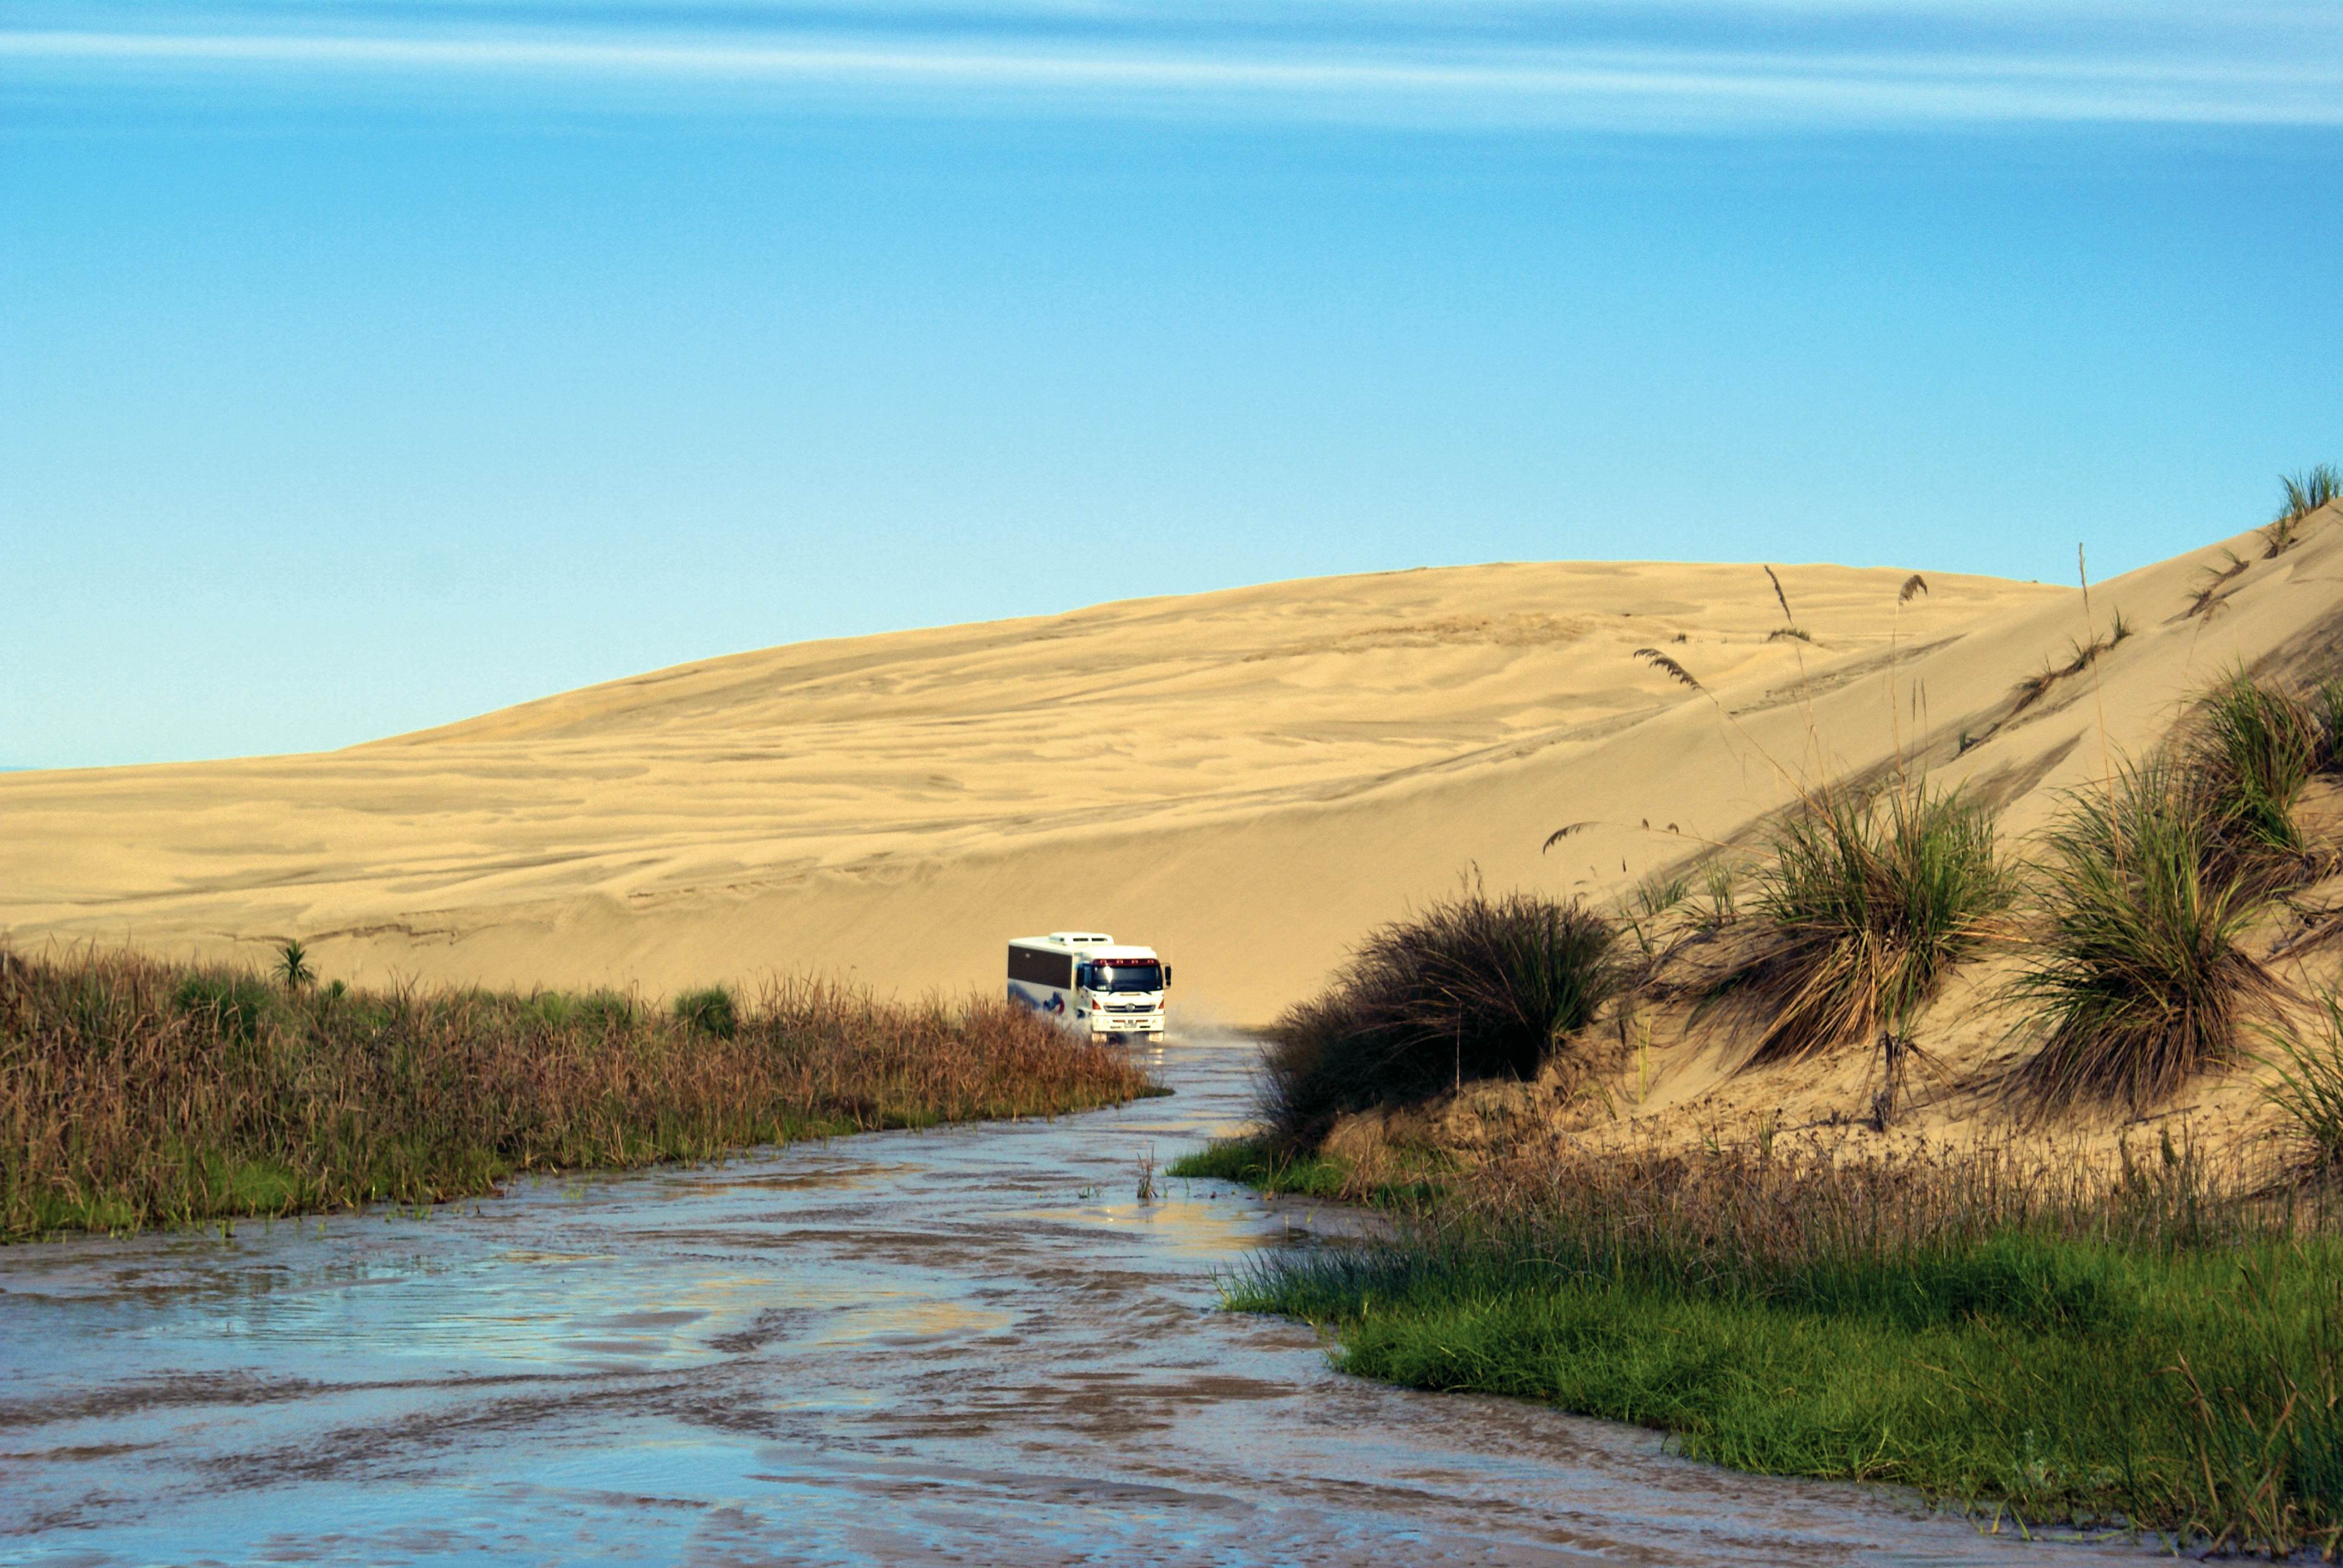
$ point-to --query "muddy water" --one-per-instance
(974, 1345)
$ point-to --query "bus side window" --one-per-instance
(1086, 974)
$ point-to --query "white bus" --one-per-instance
(1089, 982)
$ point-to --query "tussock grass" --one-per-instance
(1652, 909)
(1473, 988)
(2251, 754)
(1721, 879)
(137, 1093)
(1864, 909)
(2075, 1344)
(230, 1005)
(2326, 703)
(2309, 1086)
(2137, 979)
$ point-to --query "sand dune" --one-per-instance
(1246, 779)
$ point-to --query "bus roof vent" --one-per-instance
(1080, 937)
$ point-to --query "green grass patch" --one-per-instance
(2071, 1383)
(1249, 1162)
(1256, 1162)
(711, 1009)
(2154, 1356)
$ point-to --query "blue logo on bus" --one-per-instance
(1053, 1004)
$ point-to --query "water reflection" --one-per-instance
(967, 1345)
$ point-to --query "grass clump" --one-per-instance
(2326, 708)
(710, 1010)
(2252, 754)
(2081, 656)
(2083, 1346)
(2138, 981)
(2309, 1087)
(230, 1007)
(2305, 493)
(1254, 1162)
(608, 1010)
(135, 1093)
(1473, 988)
(2212, 580)
(1649, 909)
(1864, 910)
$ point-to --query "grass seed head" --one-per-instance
(1669, 667)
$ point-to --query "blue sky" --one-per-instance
(364, 367)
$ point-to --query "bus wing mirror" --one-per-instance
(1167, 976)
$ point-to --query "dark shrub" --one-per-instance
(1473, 988)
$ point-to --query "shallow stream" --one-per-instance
(974, 1345)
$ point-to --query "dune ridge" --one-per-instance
(1247, 779)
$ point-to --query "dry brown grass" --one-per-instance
(135, 1093)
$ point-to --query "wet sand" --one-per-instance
(966, 1346)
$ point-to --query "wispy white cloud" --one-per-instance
(1648, 66)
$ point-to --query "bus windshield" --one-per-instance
(1126, 974)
